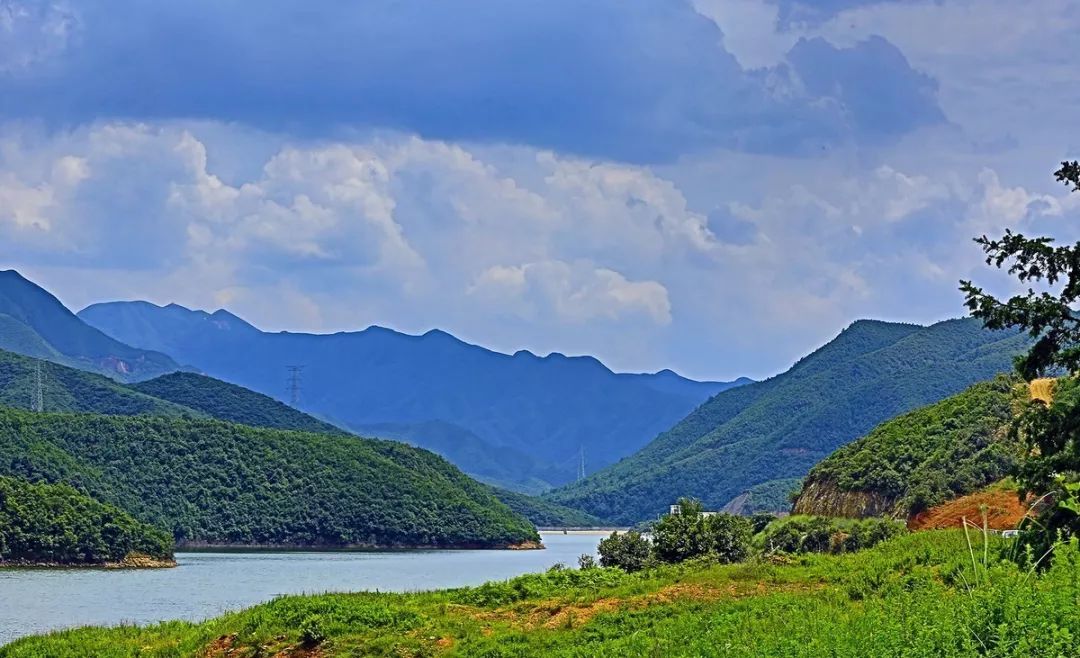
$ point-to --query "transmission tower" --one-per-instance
(37, 391)
(292, 385)
(581, 463)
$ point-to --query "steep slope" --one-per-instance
(53, 524)
(35, 323)
(781, 427)
(920, 459)
(211, 482)
(71, 389)
(224, 401)
(547, 408)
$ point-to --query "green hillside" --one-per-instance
(211, 482)
(920, 459)
(55, 524)
(546, 514)
(230, 402)
(779, 428)
(71, 389)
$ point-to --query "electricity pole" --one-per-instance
(293, 384)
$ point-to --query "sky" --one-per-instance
(712, 186)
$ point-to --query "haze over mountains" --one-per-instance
(519, 421)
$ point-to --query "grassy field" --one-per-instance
(923, 594)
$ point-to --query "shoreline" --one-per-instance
(131, 561)
(206, 547)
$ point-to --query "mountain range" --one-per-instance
(519, 421)
(745, 439)
(35, 323)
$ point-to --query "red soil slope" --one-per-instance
(1003, 511)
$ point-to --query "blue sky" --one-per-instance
(715, 186)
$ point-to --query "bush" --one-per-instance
(689, 534)
(586, 561)
(809, 534)
(311, 631)
(628, 551)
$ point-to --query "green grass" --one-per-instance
(922, 594)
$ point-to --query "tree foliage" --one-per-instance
(780, 428)
(55, 524)
(628, 551)
(221, 483)
(930, 455)
(819, 534)
(689, 533)
(1049, 315)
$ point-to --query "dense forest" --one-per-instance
(546, 514)
(211, 482)
(70, 389)
(922, 458)
(779, 428)
(230, 402)
(55, 524)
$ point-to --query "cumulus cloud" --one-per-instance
(639, 81)
(511, 249)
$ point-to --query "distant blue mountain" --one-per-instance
(518, 420)
(34, 323)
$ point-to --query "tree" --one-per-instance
(1050, 429)
(682, 535)
(729, 536)
(628, 551)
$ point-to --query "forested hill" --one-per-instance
(212, 482)
(781, 427)
(230, 402)
(196, 396)
(920, 459)
(433, 390)
(34, 323)
(71, 389)
(53, 524)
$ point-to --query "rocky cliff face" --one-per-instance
(824, 498)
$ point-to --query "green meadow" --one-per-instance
(939, 594)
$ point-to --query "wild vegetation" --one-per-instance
(918, 595)
(211, 482)
(779, 428)
(53, 524)
(236, 404)
(1048, 427)
(545, 514)
(922, 458)
(71, 389)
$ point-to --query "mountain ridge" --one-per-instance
(30, 311)
(550, 407)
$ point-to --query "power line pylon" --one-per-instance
(37, 392)
(581, 463)
(293, 383)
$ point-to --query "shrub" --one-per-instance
(586, 561)
(803, 534)
(628, 550)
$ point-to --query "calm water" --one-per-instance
(208, 584)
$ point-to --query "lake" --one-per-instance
(207, 584)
